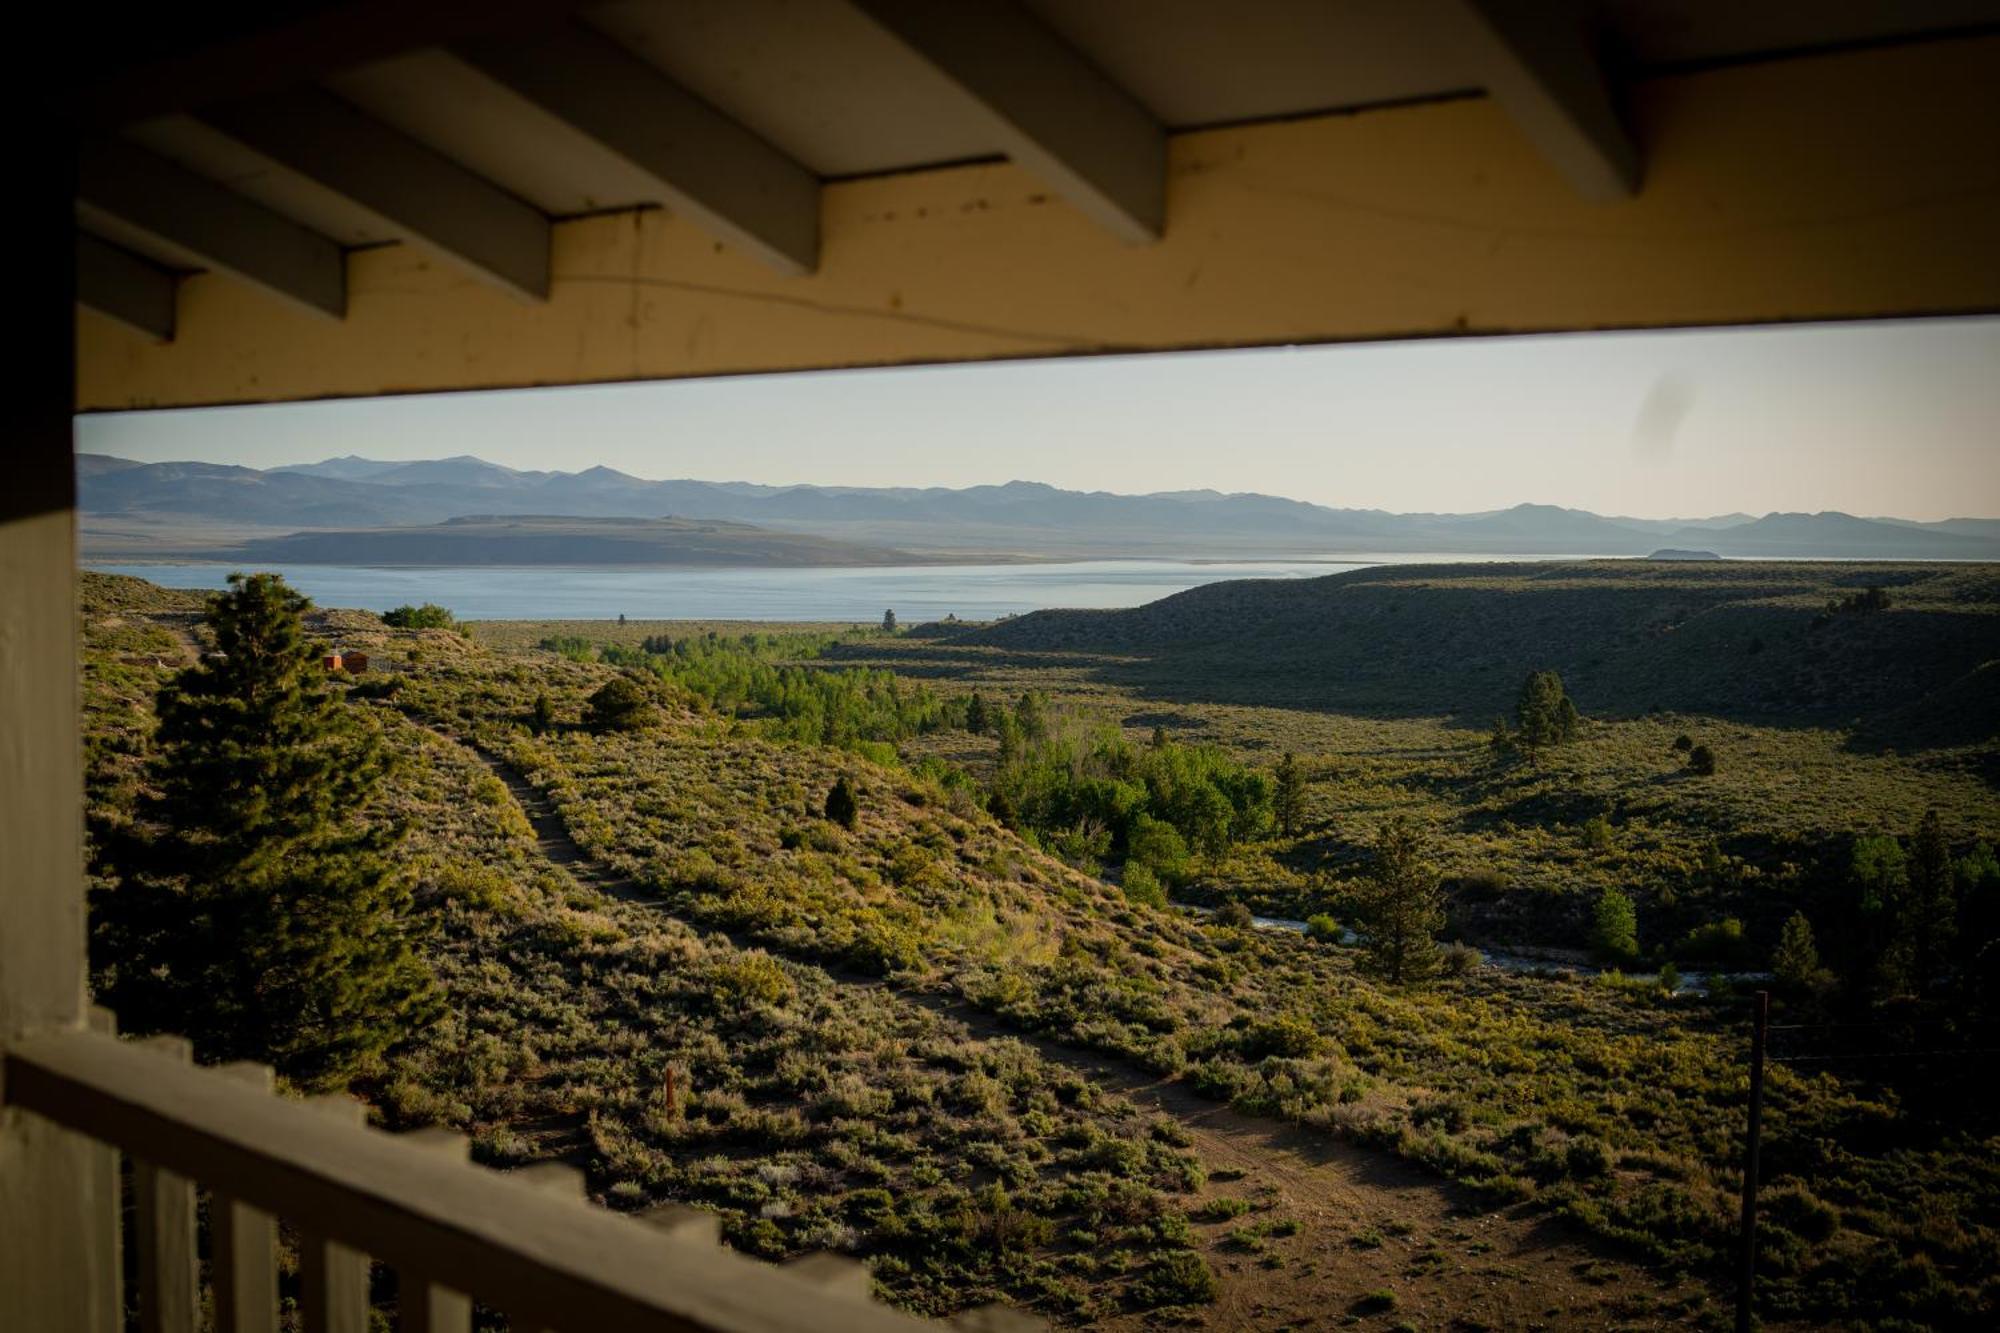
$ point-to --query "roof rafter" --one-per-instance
(172, 58)
(1049, 108)
(225, 230)
(1535, 58)
(416, 189)
(136, 292)
(704, 164)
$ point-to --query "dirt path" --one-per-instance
(1329, 1233)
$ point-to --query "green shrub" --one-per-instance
(428, 616)
(1586, 1159)
(1143, 887)
(618, 705)
(1181, 1278)
(1322, 927)
(1455, 960)
(1701, 761)
(1289, 1035)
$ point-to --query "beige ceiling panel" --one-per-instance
(447, 105)
(211, 153)
(819, 82)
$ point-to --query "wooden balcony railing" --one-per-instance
(526, 1243)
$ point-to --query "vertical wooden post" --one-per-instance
(55, 1271)
(422, 1305)
(333, 1279)
(244, 1241)
(1746, 1279)
(105, 1196)
(558, 1180)
(169, 1267)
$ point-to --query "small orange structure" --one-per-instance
(331, 661)
(354, 663)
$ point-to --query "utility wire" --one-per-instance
(1883, 1055)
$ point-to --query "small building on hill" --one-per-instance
(332, 661)
(354, 663)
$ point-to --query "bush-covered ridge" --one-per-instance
(1743, 640)
(1611, 1106)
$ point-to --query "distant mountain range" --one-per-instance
(130, 508)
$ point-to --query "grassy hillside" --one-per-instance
(1740, 640)
(875, 1029)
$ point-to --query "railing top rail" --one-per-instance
(545, 1261)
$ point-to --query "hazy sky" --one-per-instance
(1882, 418)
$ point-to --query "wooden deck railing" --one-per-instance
(526, 1243)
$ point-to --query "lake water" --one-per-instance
(914, 592)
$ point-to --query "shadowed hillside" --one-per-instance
(1754, 641)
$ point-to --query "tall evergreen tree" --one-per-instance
(1031, 714)
(1288, 801)
(1544, 714)
(270, 920)
(1929, 909)
(888, 622)
(1796, 961)
(976, 720)
(1402, 906)
(843, 806)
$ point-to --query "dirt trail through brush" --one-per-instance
(1378, 1242)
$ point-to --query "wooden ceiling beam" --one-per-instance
(416, 189)
(704, 165)
(226, 231)
(136, 292)
(1046, 106)
(1535, 57)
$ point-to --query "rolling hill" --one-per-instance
(1746, 640)
(543, 540)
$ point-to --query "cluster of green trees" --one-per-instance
(258, 906)
(1908, 919)
(1097, 797)
(749, 676)
(428, 616)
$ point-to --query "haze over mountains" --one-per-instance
(194, 508)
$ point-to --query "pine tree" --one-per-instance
(1930, 905)
(1796, 961)
(976, 720)
(542, 716)
(1288, 802)
(271, 921)
(1402, 906)
(1031, 715)
(1544, 713)
(888, 622)
(842, 806)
